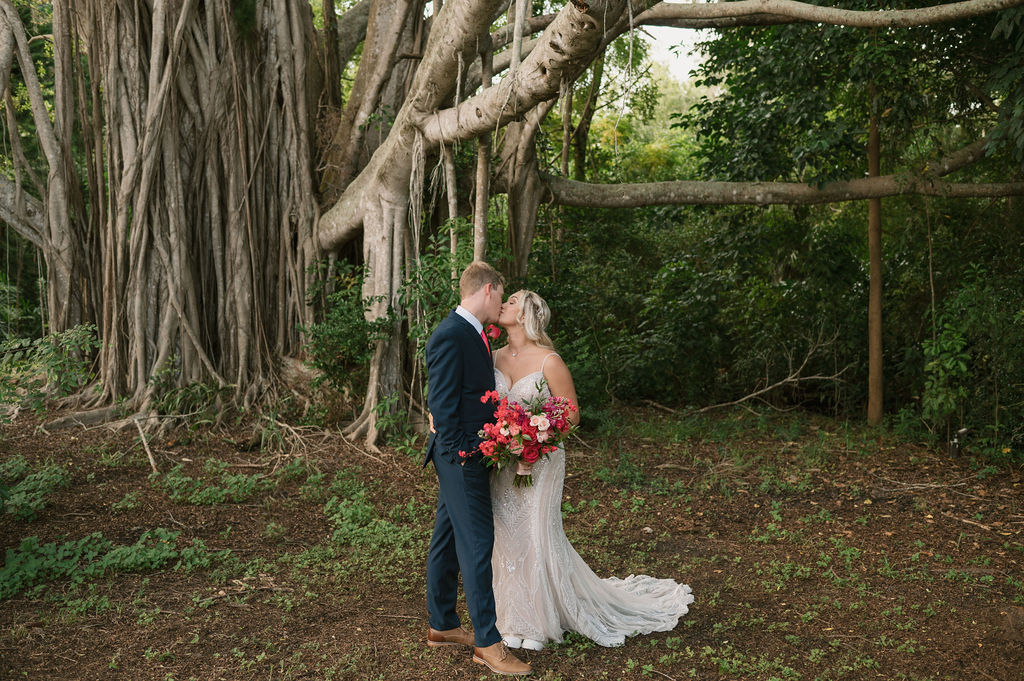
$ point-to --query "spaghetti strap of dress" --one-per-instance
(545, 361)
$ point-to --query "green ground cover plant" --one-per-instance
(816, 549)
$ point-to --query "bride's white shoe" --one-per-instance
(513, 642)
(530, 644)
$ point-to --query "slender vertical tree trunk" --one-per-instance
(520, 10)
(581, 135)
(566, 128)
(875, 374)
(483, 167)
(64, 309)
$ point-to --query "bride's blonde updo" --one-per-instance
(534, 316)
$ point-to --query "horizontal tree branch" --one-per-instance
(927, 182)
(715, 22)
(800, 11)
(564, 192)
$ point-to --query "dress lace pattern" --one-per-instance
(542, 587)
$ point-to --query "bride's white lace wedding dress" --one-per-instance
(542, 587)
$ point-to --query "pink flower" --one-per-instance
(493, 331)
(540, 421)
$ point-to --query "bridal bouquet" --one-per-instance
(521, 434)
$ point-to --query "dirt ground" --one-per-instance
(815, 550)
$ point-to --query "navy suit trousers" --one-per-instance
(462, 542)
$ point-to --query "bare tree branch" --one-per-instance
(794, 377)
(755, 13)
(566, 192)
(678, 14)
(503, 36)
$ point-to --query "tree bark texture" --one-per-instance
(60, 252)
(386, 20)
(200, 260)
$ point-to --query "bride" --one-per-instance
(542, 588)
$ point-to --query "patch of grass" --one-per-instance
(274, 532)
(625, 474)
(729, 661)
(224, 486)
(128, 502)
(91, 604)
(776, 575)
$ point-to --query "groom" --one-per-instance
(460, 371)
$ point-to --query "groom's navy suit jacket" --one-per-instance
(459, 372)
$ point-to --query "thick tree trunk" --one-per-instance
(198, 262)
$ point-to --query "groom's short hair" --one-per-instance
(477, 275)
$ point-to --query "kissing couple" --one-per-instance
(524, 583)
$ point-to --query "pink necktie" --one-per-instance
(486, 344)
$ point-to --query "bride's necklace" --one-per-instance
(515, 353)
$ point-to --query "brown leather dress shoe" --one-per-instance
(451, 637)
(499, 660)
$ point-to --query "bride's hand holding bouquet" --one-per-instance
(522, 434)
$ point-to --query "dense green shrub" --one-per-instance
(342, 344)
(33, 371)
(25, 491)
(32, 564)
(974, 366)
